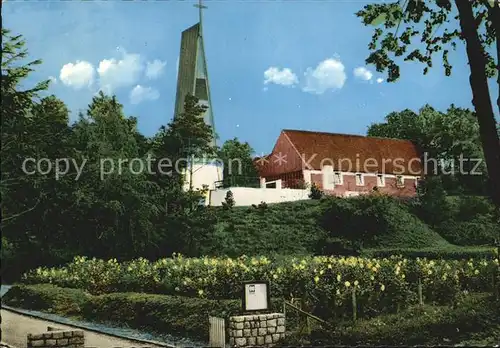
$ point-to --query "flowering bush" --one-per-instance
(326, 283)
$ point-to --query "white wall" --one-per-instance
(245, 196)
(204, 174)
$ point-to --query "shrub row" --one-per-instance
(450, 253)
(327, 282)
(177, 315)
(475, 318)
(475, 315)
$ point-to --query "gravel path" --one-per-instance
(16, 327)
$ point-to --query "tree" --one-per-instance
(229, 200)
(451, 138)
(118, 202)
(17, 120)
(239, 168)
(186, 138)
(316, 193)
(473, 22)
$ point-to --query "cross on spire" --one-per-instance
(200, 6)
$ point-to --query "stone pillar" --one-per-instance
(262, 182)
(278, 184)
(256, 330)
(57, 339)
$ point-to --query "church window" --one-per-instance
(359, 180)
(337, 178)
(380, 180)
(400, 181)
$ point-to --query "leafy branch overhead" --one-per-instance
(415, 30)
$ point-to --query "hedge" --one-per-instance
(177, 315)
(451, 253)
(476, 318)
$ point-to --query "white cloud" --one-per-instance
(380, 80)
(155, 68)
(139, 94)
(77, 75)
(114, 74)
(284, 77)
(328, 75)
(363, 73)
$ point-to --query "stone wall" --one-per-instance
(256, 330)
(57, 338)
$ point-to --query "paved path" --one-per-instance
(15, 328)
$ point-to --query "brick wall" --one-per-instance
(370, 182)
(256, 330)
(55, 338)
(291, 160)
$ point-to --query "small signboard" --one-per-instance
(256, 296)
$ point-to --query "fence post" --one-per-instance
(420, 297)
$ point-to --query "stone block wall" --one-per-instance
(57, 339)
(256, 330)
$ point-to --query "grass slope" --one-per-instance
(284, 228)
(304, 227)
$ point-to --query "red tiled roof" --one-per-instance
(356, 153)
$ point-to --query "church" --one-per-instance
(338, 164)
(341, 164)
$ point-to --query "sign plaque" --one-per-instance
(255, 296)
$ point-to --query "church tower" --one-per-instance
(193, 79)
(193, 73)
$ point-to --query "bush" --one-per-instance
(177, 315)
(377, 221)
(480, 231)
(451, 253)
(476, 315)
(229, 200)
(382, 285)
(316, 193)
(46, 297)
(266, 229)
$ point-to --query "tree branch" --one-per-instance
(21, 213)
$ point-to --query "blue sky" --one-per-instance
(272, 64)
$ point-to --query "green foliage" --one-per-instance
(377, 221)
(239, 168)
(229, 200)
(449, 141)
(436, 253)
(104, 204)
(177, 315)
(316, 193)
(476, 317)
(438, 26)
(474, 221)
(48, 298)
(461, 220)
(47, 220)
(432, 205)
(285, 228)
(417, 31)
(325, 283)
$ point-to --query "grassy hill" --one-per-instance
(370, 224)
(282, 228)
